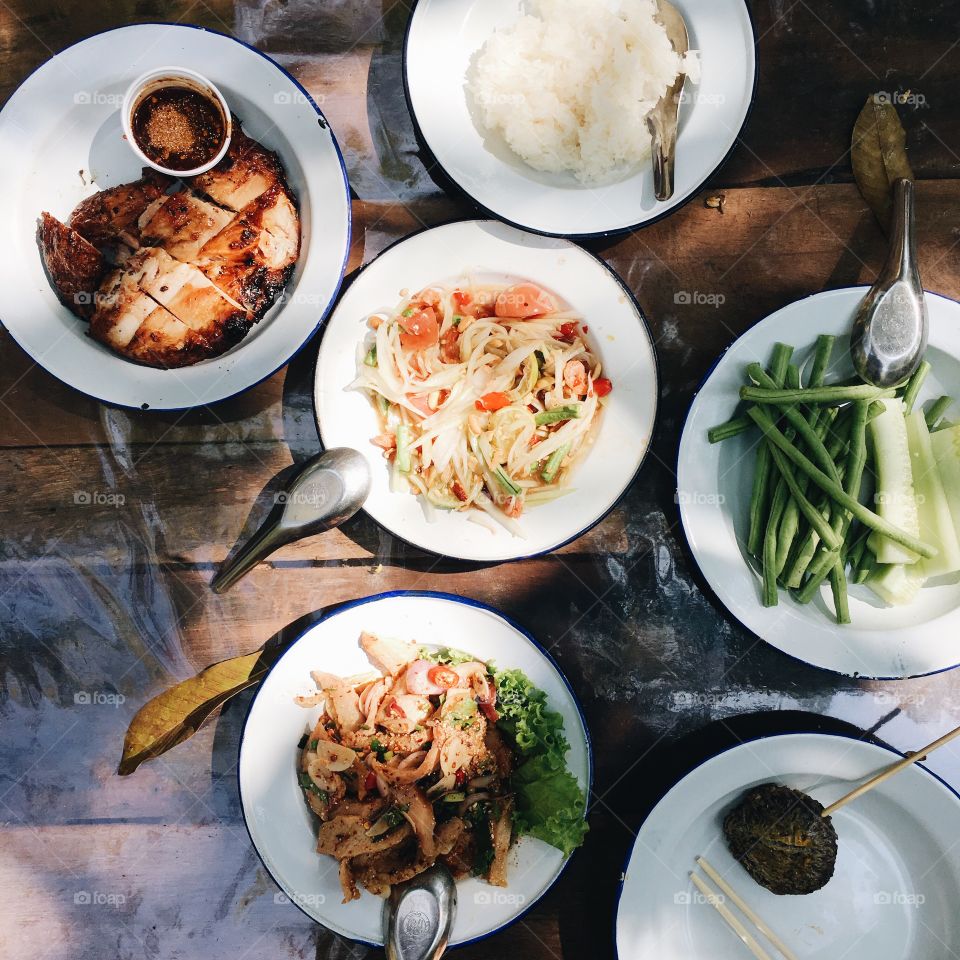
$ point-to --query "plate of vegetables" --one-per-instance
(406, 729)
(825, 512)
(876, 885)
(502, 385)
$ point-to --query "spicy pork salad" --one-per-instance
(436, 757)
(487, 396)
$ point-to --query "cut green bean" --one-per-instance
(937, 410)
(824, 395)
(762, 492)
(913, 386)
(866, 566)
(821, 359)
(732, 428)
(838, 584)
(835, 491)
(800, 423)
(812, 515)
(770, 595)
(557, 414)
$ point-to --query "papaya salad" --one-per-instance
(436, 757)
(487, 396)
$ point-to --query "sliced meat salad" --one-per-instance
(193, 269)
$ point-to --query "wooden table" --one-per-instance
(105, 604)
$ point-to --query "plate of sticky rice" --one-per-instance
(538, 111)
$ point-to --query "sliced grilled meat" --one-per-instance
(181, 224)
(252, 258)
(111, 215)
(74, 266)
(247, 170)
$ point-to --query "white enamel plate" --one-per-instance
(491, 251)
(893, 895)
(444, 36)
(282, 828)
(714, 483)
(61, 140)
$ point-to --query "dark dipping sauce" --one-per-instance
(178, 128)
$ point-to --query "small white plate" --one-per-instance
(282, 828)
(713, 490)
(443, 36)
(491, 251)
(62, 128)
(893, 895)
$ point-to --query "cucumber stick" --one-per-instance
(403, 448)
(895, 498)
(945, 446)
(896, 583)
(936, 521)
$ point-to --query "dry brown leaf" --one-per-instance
(879, 154)
(176, 714)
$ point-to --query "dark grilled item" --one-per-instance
(780, 838)
(251, 260)
(247, 171)
(190, 273)
(75, 267)
(110, 216)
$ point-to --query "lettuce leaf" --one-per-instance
(549, 802)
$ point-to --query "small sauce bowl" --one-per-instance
(176, 121)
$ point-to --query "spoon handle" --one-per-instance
(879, 778)
(267, 539)
(663, 129)
(902, 259)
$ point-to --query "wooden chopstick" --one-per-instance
(745, 909)
(716, 900)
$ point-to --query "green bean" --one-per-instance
(770, 596)
(936, 412)
(732, 428)
(838, 584)
(866, 566)
(799, 422)
(821, 359)
(762, 492)
(835, 491)
(556, 415)
(820, 395)
(914, 384)
(813, 516)
(856, 461)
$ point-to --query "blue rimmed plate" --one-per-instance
(280, 825)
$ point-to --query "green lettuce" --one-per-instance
(549, 802)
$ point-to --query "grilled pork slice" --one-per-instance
(252, 258)
(247, 170)
(181, 224)
(111, 215)
(192, 298)
(135, 325)
(73, 265)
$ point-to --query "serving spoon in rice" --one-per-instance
(662, 119)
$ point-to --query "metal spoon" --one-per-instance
(890, 328)
(329, 489)
(418, 917)
(662, 120)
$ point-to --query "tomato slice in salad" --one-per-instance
(443, 676)
(493, 401)
(420, 330)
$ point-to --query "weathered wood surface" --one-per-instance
(107, 601)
